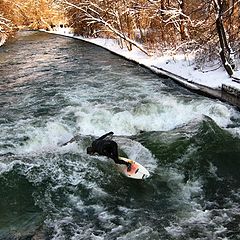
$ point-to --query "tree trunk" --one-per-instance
(183, 30)
(225, 50)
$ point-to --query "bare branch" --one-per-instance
(93, 19)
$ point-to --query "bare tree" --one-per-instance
(225, 50)
(95, 14)
(149, 25)
(34, 14)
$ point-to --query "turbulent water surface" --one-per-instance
(53, 88)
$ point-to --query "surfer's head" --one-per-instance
(90, 150)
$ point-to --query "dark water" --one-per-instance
(52, 88)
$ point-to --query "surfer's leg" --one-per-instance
(119, 161)
(112, 152)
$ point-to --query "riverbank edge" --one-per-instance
(220, 94)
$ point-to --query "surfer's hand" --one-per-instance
(130, 161)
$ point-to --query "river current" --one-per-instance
(53, 88)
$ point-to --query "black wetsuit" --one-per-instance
(107, 147)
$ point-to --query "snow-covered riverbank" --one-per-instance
(179, 67)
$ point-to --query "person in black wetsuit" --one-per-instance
(108, 148)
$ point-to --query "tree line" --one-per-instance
(210, 28)
(33, 14)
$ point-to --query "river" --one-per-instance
(53, 88)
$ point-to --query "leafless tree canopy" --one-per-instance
(209, 27)
(34, 14)
(159, 24)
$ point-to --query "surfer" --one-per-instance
(108, 148)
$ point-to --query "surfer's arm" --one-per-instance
(105, 135)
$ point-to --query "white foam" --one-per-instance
(125, 117)
(105, 216)
(6, 167)
(3, 167)
(212, 223)
(57, 226)
(137, 152)
(142, 232)
(162, 114)
(182, 191)
(197, 218)
(45, 139)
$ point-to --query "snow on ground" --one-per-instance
(179, 64)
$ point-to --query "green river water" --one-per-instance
(53, 88)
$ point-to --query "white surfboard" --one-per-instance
(137, 170)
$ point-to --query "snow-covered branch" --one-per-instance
(93, 15)
(4, 23)
(174, 15)
(231, 7)
(5, 29)
(161, 24)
